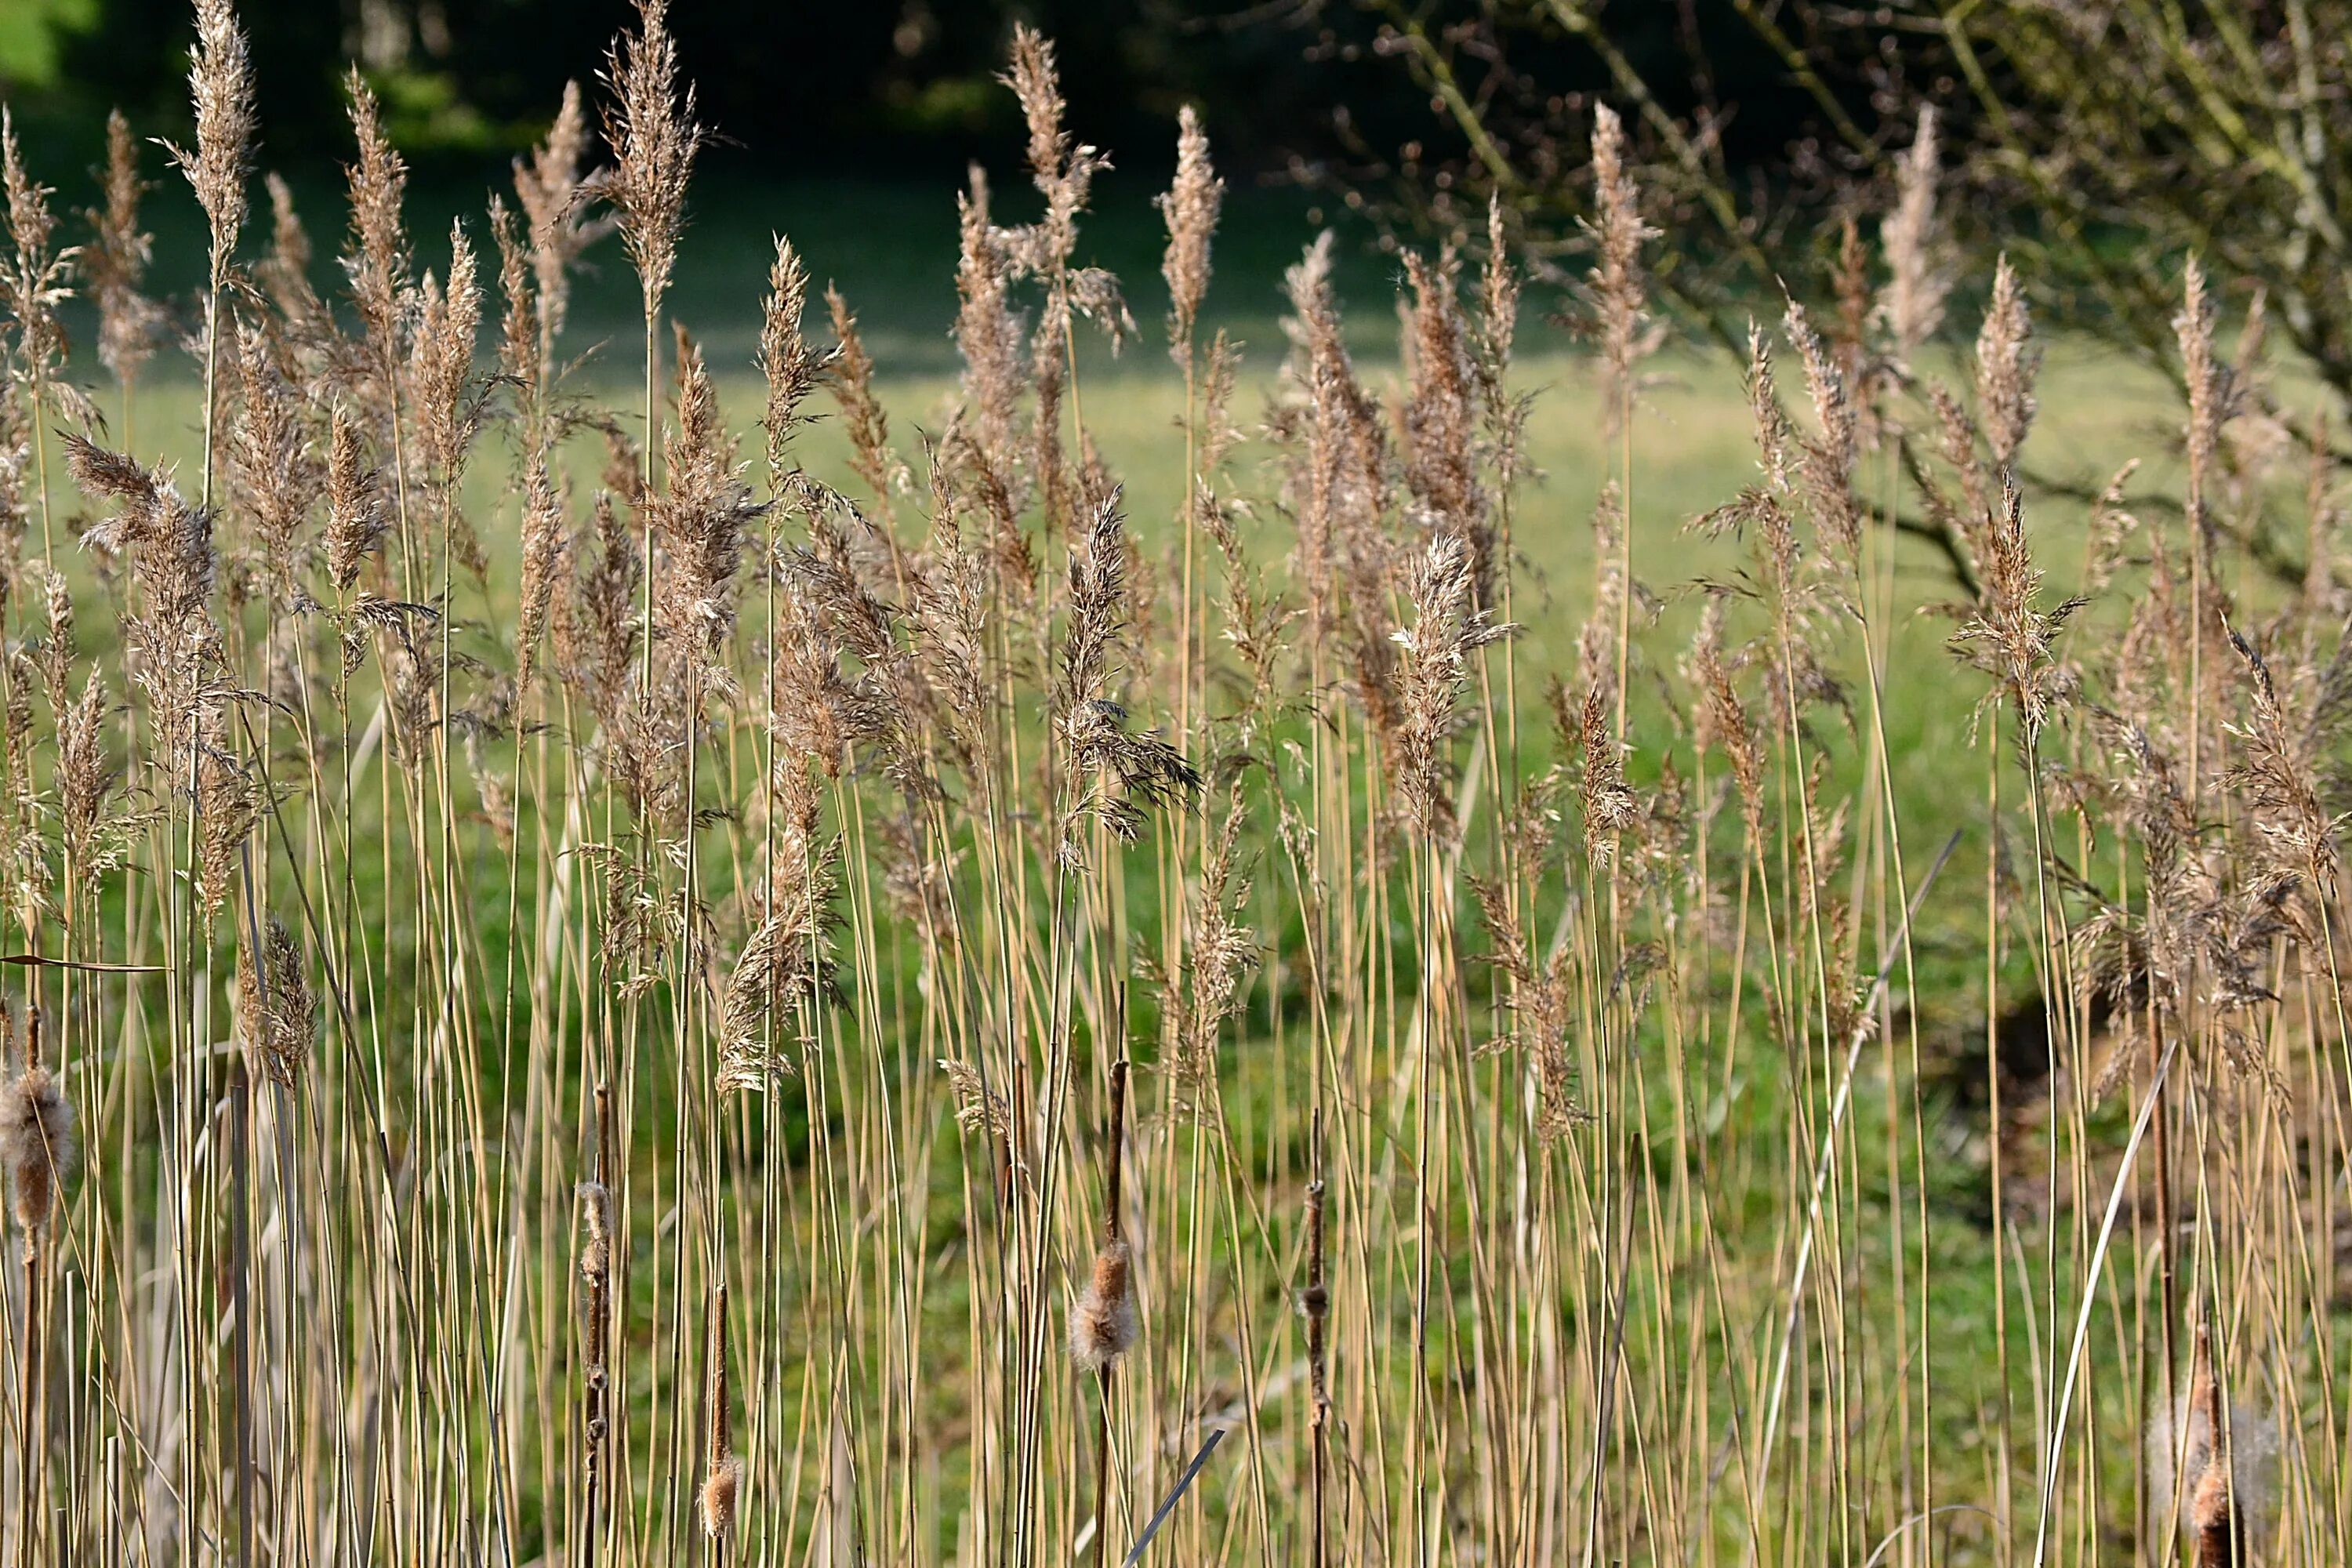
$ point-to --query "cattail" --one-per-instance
(2006, 363)
(722, 1487)
(1103, 1324)
(220, 79)
(1191, 208)
(721, 1493)
(36, 1142)
(596, 1233)
(115, 263)
(1913, 302)
(2212, 1464)
(650, 125)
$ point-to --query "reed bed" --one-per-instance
(585, 992)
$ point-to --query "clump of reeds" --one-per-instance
(494, 871)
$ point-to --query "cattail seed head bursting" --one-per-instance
(36, 1143)
(1103, 1324)
(723, 1493)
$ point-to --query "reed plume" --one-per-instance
(114, 265)
(1190, 207)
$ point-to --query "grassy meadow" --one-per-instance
(1418, 921)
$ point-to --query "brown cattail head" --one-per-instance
(220, 79)
(722, 1488)
(36, 1143)
(2211, 1464)
(1190, 208)
(596, 1232)
(722, 1494)
(1103, 1324)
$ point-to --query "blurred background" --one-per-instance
(850, 126)
(2098, 143)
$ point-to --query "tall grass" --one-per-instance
(696, 1014)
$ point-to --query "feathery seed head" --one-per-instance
(1912, 303)
(377, 262)
(791, 363)
(720, 1496)
(651, 127)
(220, 80)
(115, 264)
(1191, 208)
(1103, 1325)
(2006, 361)
(36, 1142)
(552, 194)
